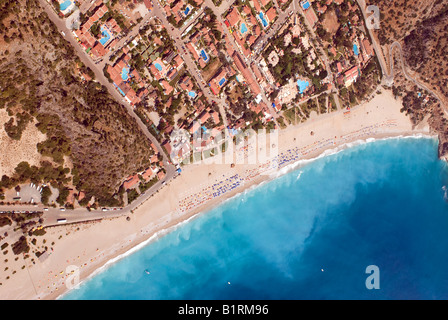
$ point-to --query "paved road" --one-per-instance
(180, 43)
(80, 214)
(218, 11)
(396, 45)
(101, 78)
(388, 78)
(323, 55)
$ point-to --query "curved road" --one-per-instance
(82, 214)
(397, 45)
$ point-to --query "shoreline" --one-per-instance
(161, 214)
(178, 223)
(221, 201)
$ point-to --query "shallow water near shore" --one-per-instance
(309, 234)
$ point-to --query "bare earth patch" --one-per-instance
(13, 151)
(330, 22)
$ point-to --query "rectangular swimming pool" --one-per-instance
(204, 55)
(355, 49)
(63, 6)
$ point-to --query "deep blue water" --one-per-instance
(380, 203)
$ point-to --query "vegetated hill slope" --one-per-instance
(82, 121)
(421, 27)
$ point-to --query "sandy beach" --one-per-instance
(200, 187)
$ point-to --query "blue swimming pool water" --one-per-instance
(65, 5)
(263, 20)
(355, 49)
(204, 55)
(221, 82)
(309, 234)
(158, 66)
(125, 74)
(243, 28)
(305, 5)
(187, 10)
(302, 85)
(106, 36)
(119, 90)
(192, 94)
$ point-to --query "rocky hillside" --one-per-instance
(92, 142)
(421, 28)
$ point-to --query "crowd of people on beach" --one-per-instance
(203, 194)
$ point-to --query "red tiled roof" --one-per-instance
(167, 87)
(178, 61)
(98, 50)
(147, 174)
(148, 4)
(204, 117)
(271, 14)
(160, 175)
(253, 85)
(246, 10)
(131, 182)
(339, 66)
(167, 146)
(367, 47)
(233, 17)
(192, 50)
(215, 117)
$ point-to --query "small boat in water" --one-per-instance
(146, 271)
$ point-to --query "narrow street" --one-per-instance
(81, 214)
(101, 78)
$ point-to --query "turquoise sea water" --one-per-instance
(309, 234)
